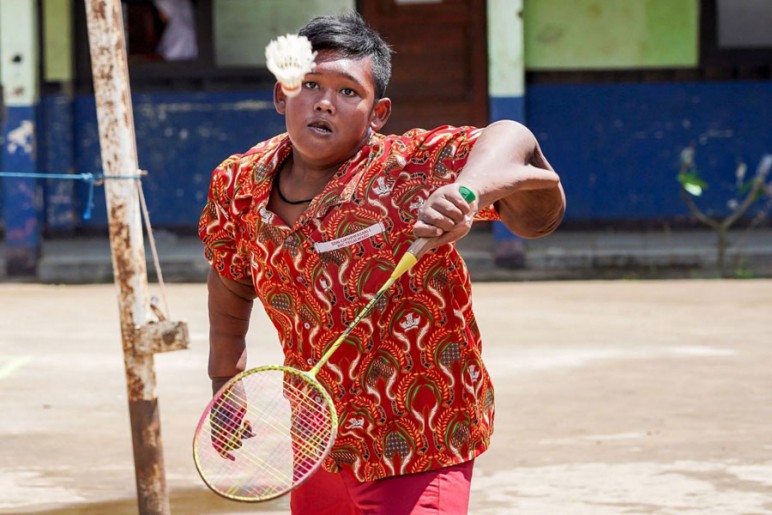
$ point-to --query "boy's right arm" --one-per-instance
(230, 306)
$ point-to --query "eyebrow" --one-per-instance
(342, 74)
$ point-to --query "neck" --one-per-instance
(281, 195)
(301, 184)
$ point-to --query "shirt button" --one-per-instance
(307, 325)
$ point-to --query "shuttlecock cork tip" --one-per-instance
(289, 58)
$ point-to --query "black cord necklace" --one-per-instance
(281, 195)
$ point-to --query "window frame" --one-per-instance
(201, 74)
(713, 55)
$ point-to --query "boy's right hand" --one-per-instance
(446, 216)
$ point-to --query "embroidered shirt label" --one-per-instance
(350, 239)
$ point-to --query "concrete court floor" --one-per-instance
(612, 398)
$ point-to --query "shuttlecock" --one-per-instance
(289, 58)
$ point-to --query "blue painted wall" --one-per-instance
(181, 137)
(507, 108)
(617, 146)
(56, 156)
(22, 199)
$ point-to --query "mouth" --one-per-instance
(320, 126)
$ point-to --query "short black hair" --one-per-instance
(349, 34)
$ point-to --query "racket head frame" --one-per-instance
(202, 435)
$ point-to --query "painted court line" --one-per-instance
(10, 365)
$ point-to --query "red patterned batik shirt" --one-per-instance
(409, 385)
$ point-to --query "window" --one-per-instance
(160, 30)
(735, 33)
(155, 65)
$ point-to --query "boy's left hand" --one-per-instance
(445, 216)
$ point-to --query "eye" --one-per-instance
(310, 85)
(348, 92)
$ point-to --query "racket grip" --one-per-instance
(420, 246)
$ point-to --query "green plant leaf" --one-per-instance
(692, 183)
(693, 189)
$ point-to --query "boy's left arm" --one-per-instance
(506, 169)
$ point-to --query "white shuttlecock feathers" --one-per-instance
(289, 58)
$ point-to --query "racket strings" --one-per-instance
(300, 403)
(308, 446)
(265, 434)
(304, 452)
(305, 425)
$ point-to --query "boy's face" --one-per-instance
(332, 116)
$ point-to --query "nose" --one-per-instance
(324, 104)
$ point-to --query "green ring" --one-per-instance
(468, 194)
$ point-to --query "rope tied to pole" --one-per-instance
(92, 179)
(98, 179)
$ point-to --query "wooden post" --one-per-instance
(119, 161)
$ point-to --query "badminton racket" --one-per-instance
(269, 428)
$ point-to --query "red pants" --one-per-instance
(442, 491)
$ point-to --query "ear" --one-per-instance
(380, 114)
(279, 99)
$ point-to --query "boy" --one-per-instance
(312, 222)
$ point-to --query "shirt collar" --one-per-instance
(341, 187)
(339, 190)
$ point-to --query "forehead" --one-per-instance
(335, 63)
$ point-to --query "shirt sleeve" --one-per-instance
(219, 227)
(449, 148)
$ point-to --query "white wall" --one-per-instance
(505, 48)
(19, 51)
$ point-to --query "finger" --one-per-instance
(246, 431)
(450, 208)
(461, 204)
(433, 217)
(448, 237)
(440, 237)
(228, 456)
(222, 449)
(423, 230)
